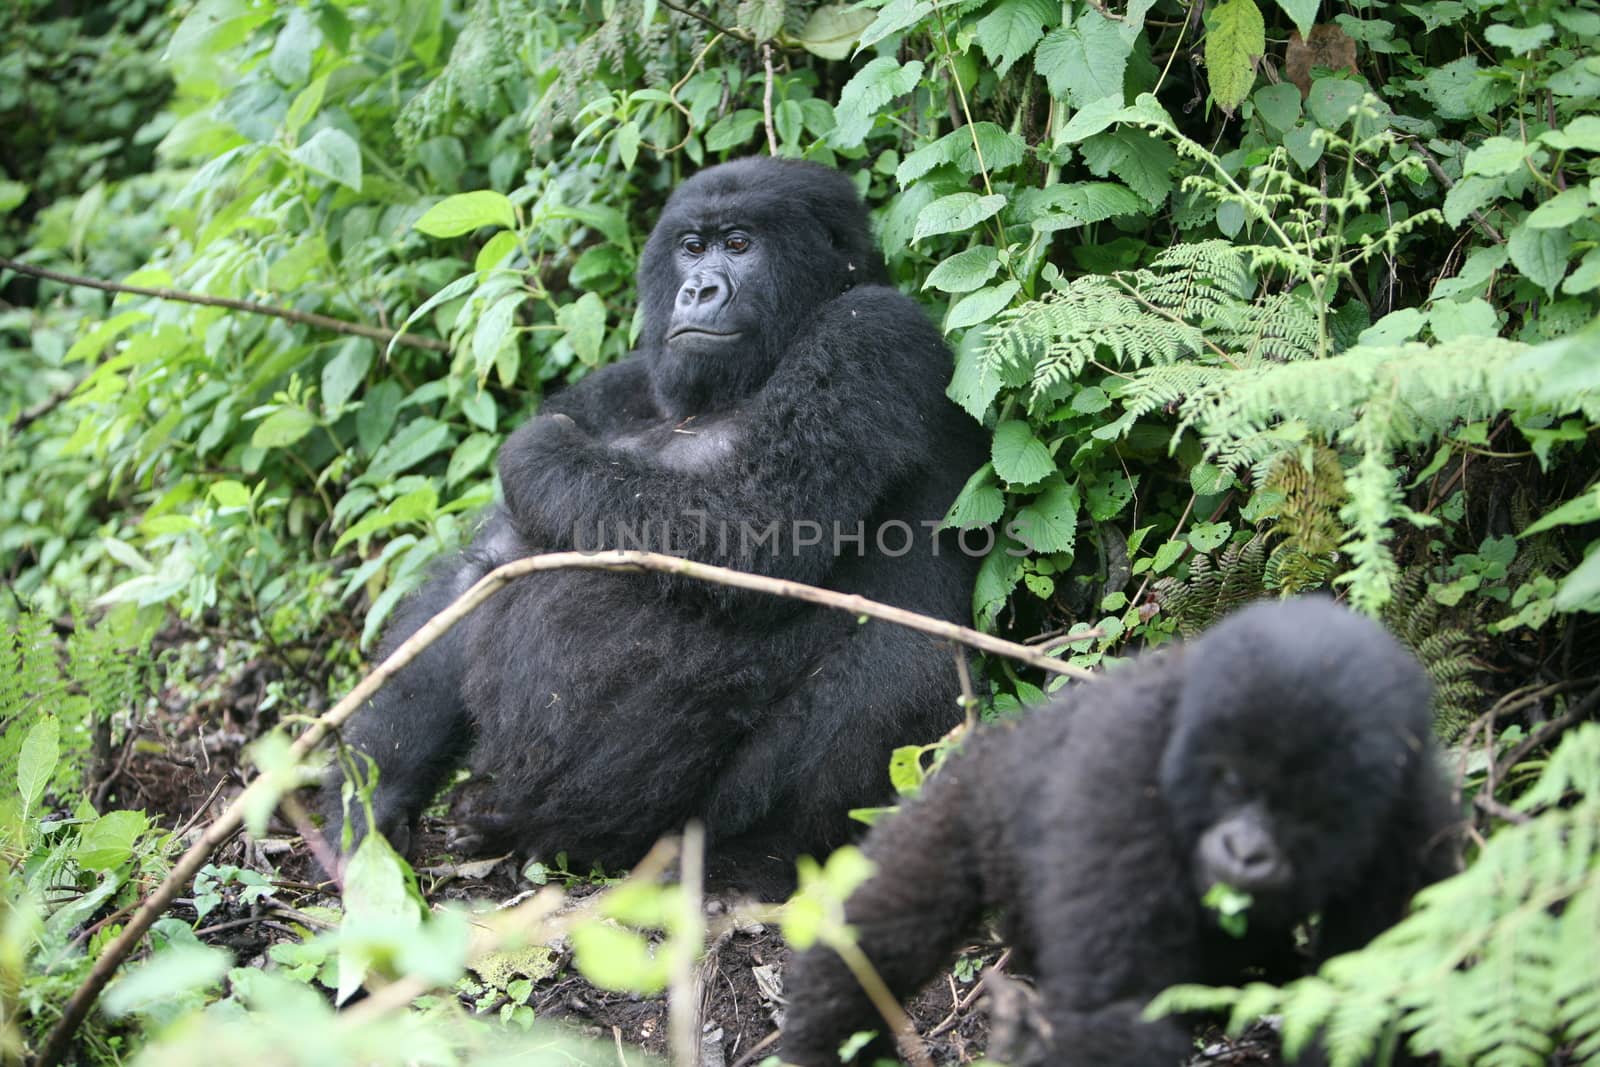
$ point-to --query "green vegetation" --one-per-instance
(1255, 297)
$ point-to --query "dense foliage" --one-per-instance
(1254, 297)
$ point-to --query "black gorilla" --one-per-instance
(1285, 753)
(784, 415)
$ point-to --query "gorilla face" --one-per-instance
(1258, 802)
(734, 272)
(715, 308)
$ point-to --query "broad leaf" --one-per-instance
(465, 212)
(1236, 38)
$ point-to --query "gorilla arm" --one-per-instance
(848, 412)
(907, 918)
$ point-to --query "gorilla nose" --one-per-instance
(1252, 853)
(701, 290)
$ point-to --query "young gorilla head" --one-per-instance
(743, 255)
(1285, 753)
(1265, 802)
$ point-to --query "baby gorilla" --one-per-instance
(1286, 753)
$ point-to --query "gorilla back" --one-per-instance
(785, 415)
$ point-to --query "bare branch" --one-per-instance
(305, 318)
(189, 864)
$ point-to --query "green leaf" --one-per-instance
(469, 457)
(1140, 159)
(1586, 278)
(1236, 39)
(344, 373)
(763, 18)
(107, 843)
(980, 502)
(980, 306)
(1458, 89)
(906, 773)
(165, 977)
(1563, 209)
(976, 381)
(493, 329)
(1393, 329)
(732, 130)
(585, 323)
(465, 212)
(380, 894)
(1495, 156)
(998, 575)
(415, 506)
(1303, 148)
(1207, 536)
(1050, 522)
(1473, 317)
(1019, 457)
(1168, 554)
(12, 193)
(1541, 255)
(999, 148)
(1086, 62)
(1469, 195)
(964, 271)
(1582, 133)
(958, 211)
(416, 441)
(832, 30)
(1303, 13)
(617, 959)
(290, 60)
(1090, 119)
(1575, 512)
(1278, 105)
(627, 143)
(229, 494)
(305, 105)
(283, 428)
(36, 762)
(893, 17)
(1519, 40)
(873, 86)
(497, 248)
(1580, 590)
(333, 154)
(1012, 27)
(1331, 100)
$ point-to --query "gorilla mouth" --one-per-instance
(696, 331)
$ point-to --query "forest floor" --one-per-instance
(183, 765)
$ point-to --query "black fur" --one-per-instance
(777, 380)
(1091, 823)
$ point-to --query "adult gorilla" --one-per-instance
(784, 415)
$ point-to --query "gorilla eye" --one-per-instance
(1228, 781)
(737, 242)
(694, 246)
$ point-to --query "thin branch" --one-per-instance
(686, 944)
(735, 34)
(1444, 181)
(766, 101)
(305, 318)
(189, 864)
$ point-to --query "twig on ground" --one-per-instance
(232, 817)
